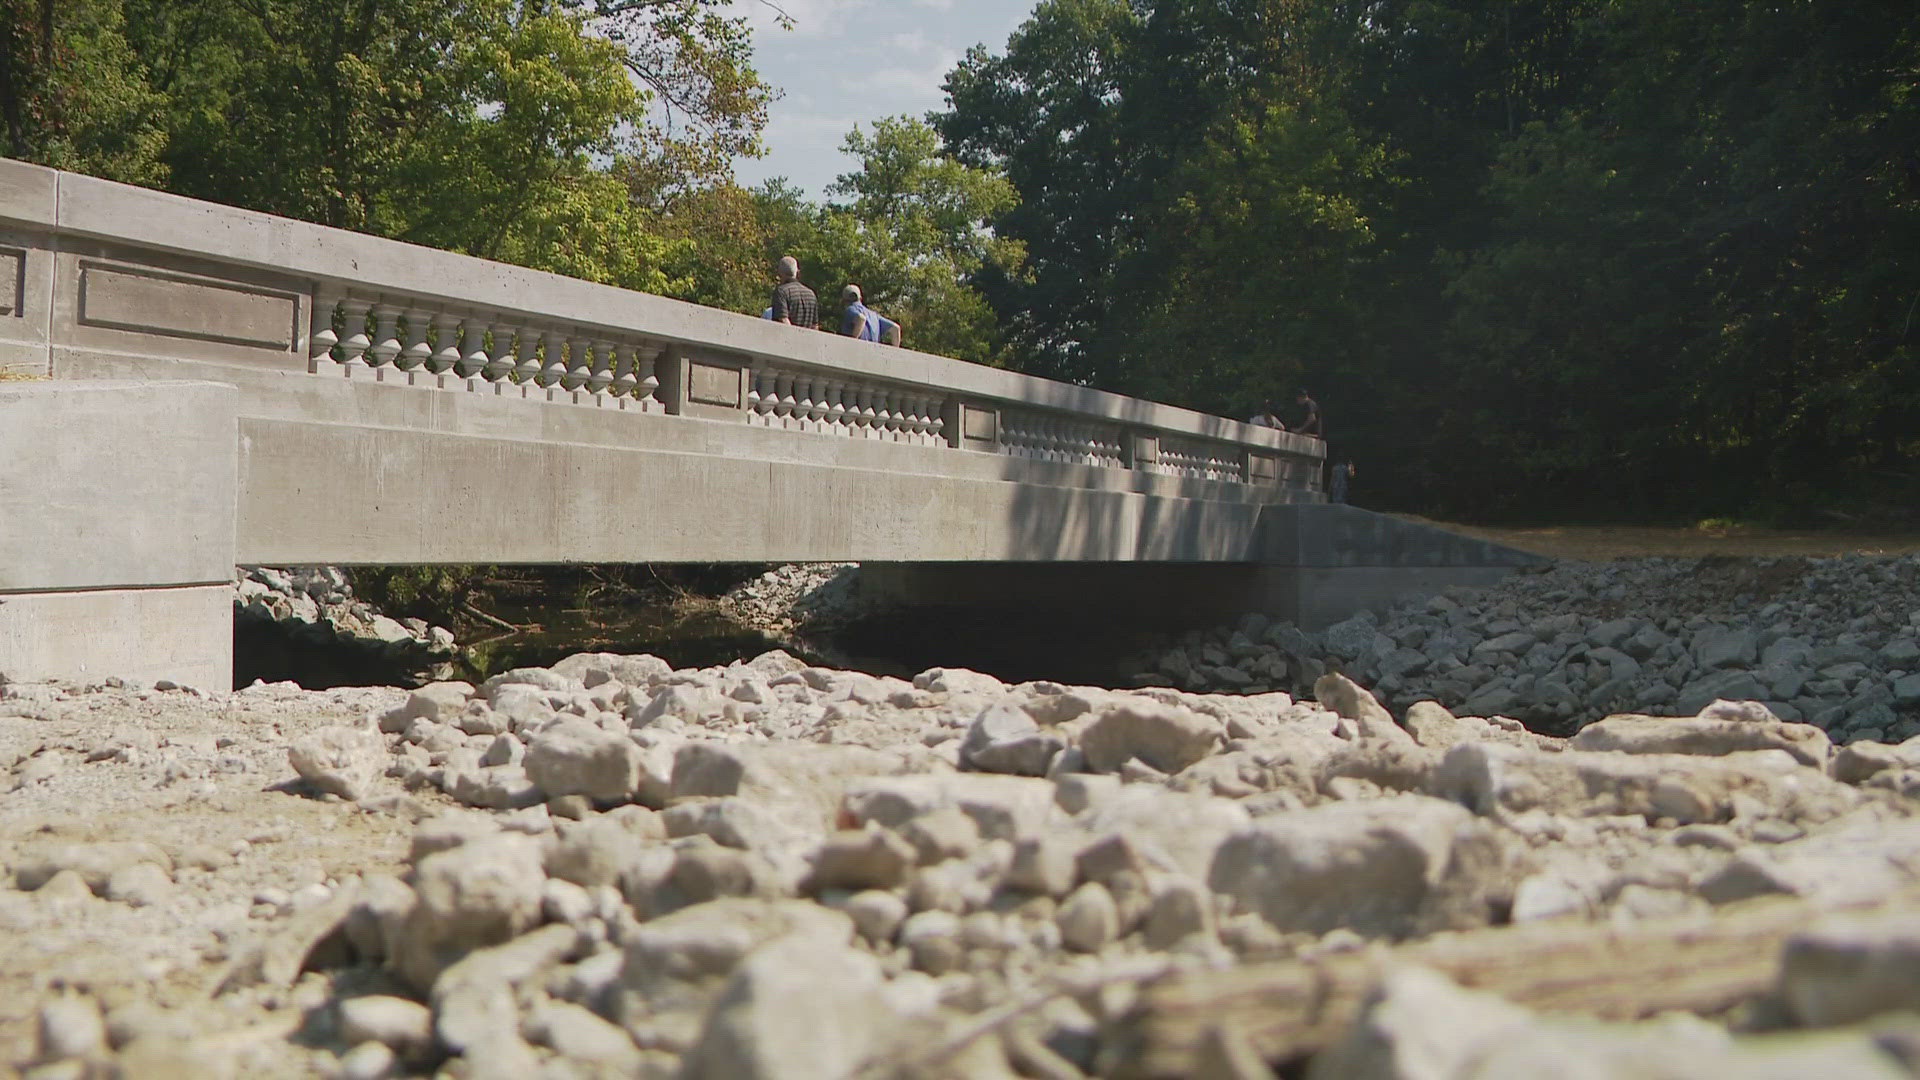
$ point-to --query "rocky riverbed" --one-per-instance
(611, 867)
(305, 622)
(1834, 642)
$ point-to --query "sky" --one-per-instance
(846, 62)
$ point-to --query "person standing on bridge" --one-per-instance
(861, 321)
(794, 303)
(1310, 416)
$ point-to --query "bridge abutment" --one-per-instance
(117, 509)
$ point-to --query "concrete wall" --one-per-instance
(117, 505)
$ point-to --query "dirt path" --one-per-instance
(1602, 542)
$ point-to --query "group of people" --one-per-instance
(1340, 472)
(1308, 424)
(796, 305)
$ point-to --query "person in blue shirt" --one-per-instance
(861, 321)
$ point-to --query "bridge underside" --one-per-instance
(267, 468)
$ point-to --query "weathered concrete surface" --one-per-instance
(116, 530)
(116, 483)
(1310, 564)
(181, 633)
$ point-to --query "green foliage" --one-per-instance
(73, 94)
(909, 226)
(1548, 256)
(508, 129)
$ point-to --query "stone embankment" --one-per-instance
(1832, 642)
(315, 605)
(614, 868)
(798, 598)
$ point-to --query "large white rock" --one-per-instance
(1384, 867)
(481, 893)
(1003, 807)
(801, 1008)
(1850, 968)
(1494, 779)
(1703, 735)
(1167, 737)
(576, 757)
(343, 761)
(1418, 1025)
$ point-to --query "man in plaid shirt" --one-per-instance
(794, 303)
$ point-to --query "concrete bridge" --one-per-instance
(208, 387)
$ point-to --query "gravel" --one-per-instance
(611, 867)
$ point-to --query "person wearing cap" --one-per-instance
(861, 321)
(793, 303)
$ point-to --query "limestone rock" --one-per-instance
(800, 1007)
(871, 858)
(575, 757)
(478, 894)
(1167, 737)
(1005, 739)
(1088, 919)
(1850, 969)
(1386, 867)
(341, 761)
(1416, 1024)
(71, 1027)
(404, 1026)
(1494, 779)
(1633, 734)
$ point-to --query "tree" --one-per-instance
(73, 94)
(914, 231)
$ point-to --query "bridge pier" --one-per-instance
(117, 504)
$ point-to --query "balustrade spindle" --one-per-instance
(473, 349)
(624, 379)
(354, 341)
(817, 402)
(783, 401)
(836, 411)
(579, 367)
(797, 394)
(526, 360)
(649, 376)
(756, 374)
(554, 364)
(322, 339)
(500, 358)
(601, 374)
(417, 351)
(446, 341)
(386, 336)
